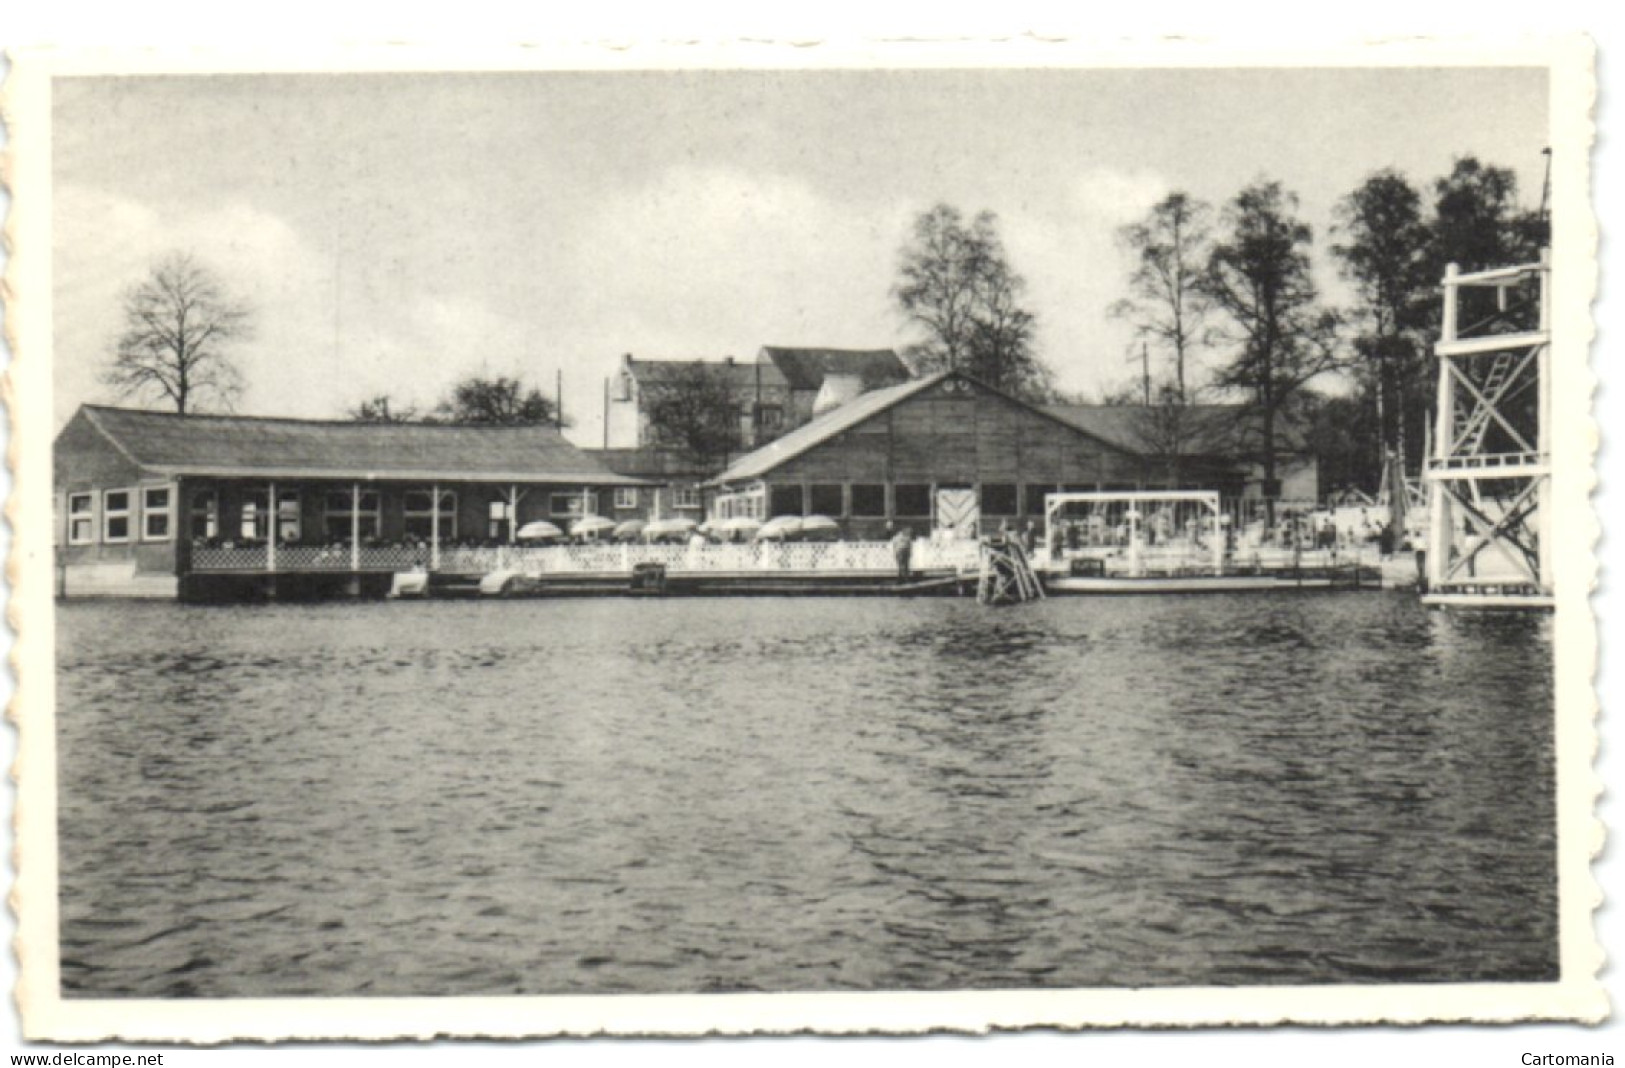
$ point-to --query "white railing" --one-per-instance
(764, 556)
(246, 558)
(309, 558)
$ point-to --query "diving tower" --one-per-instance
(1489, 480)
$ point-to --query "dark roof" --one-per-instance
(756, 464)
(1229, 430)
(649, 462)
(779, 450)
(237, 445)
(742, 376)
(807, 368)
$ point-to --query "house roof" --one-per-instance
(865, 406)
(806, 368)
(650, 462)
(1214, 429)
(743, 376)
(254, 446)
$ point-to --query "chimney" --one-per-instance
(729, 360)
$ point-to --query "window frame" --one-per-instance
(149, 512)
(111, 514)
(783, 489)
(88, 516)
(897, 496)
(876, 489)
(448, 513)
(1009, 490)
(687, 498)
(586, 504)
(831, 493)
(209, 513)
(374, 513)
(626, 498)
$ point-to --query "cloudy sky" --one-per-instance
(394, 232)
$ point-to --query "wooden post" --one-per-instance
(513, 514)
(355, 526)
(434, 530)
(1218, 536)
(1448, 330)
(270, 529)
(1440, 527)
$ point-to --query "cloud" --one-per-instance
(1114, 197)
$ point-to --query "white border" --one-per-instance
(1577, 996)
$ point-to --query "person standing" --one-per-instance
(902, 547)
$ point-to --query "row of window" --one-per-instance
(343, 513)
(116, 519)
(909, 501)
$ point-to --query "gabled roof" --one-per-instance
(253, 446)
(756, 464)
(807, 368)
(742, 376)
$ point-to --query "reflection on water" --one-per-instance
(697, 795)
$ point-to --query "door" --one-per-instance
(957, 510)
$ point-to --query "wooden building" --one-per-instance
(1204, 446)
(944, 451)
(146, 500)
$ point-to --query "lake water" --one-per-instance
(535, 797)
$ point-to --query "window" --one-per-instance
(81, 518)
(826, 500)
(786, 500)
(116, 515)
(155, 508)
(998, 498)
(751, 503)
(626, 497)
(912, 500)
(497, 520)
(1035, 497)
(685, 496)
(770, 416)
(337, 515)
(206, 514)
(573, 505)
(869, 500)
(419, 512)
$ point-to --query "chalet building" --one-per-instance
(146, 500)
(943, 451)
(781, 390)
(1203, 446)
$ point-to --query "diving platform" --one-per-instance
(1489, 479)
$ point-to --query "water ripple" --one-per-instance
(651, 796)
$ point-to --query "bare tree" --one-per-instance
(956, 285)
(178, 324)
(1167, 305)
(1169, 429)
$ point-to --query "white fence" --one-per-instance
(308, 558)
(765, 557)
